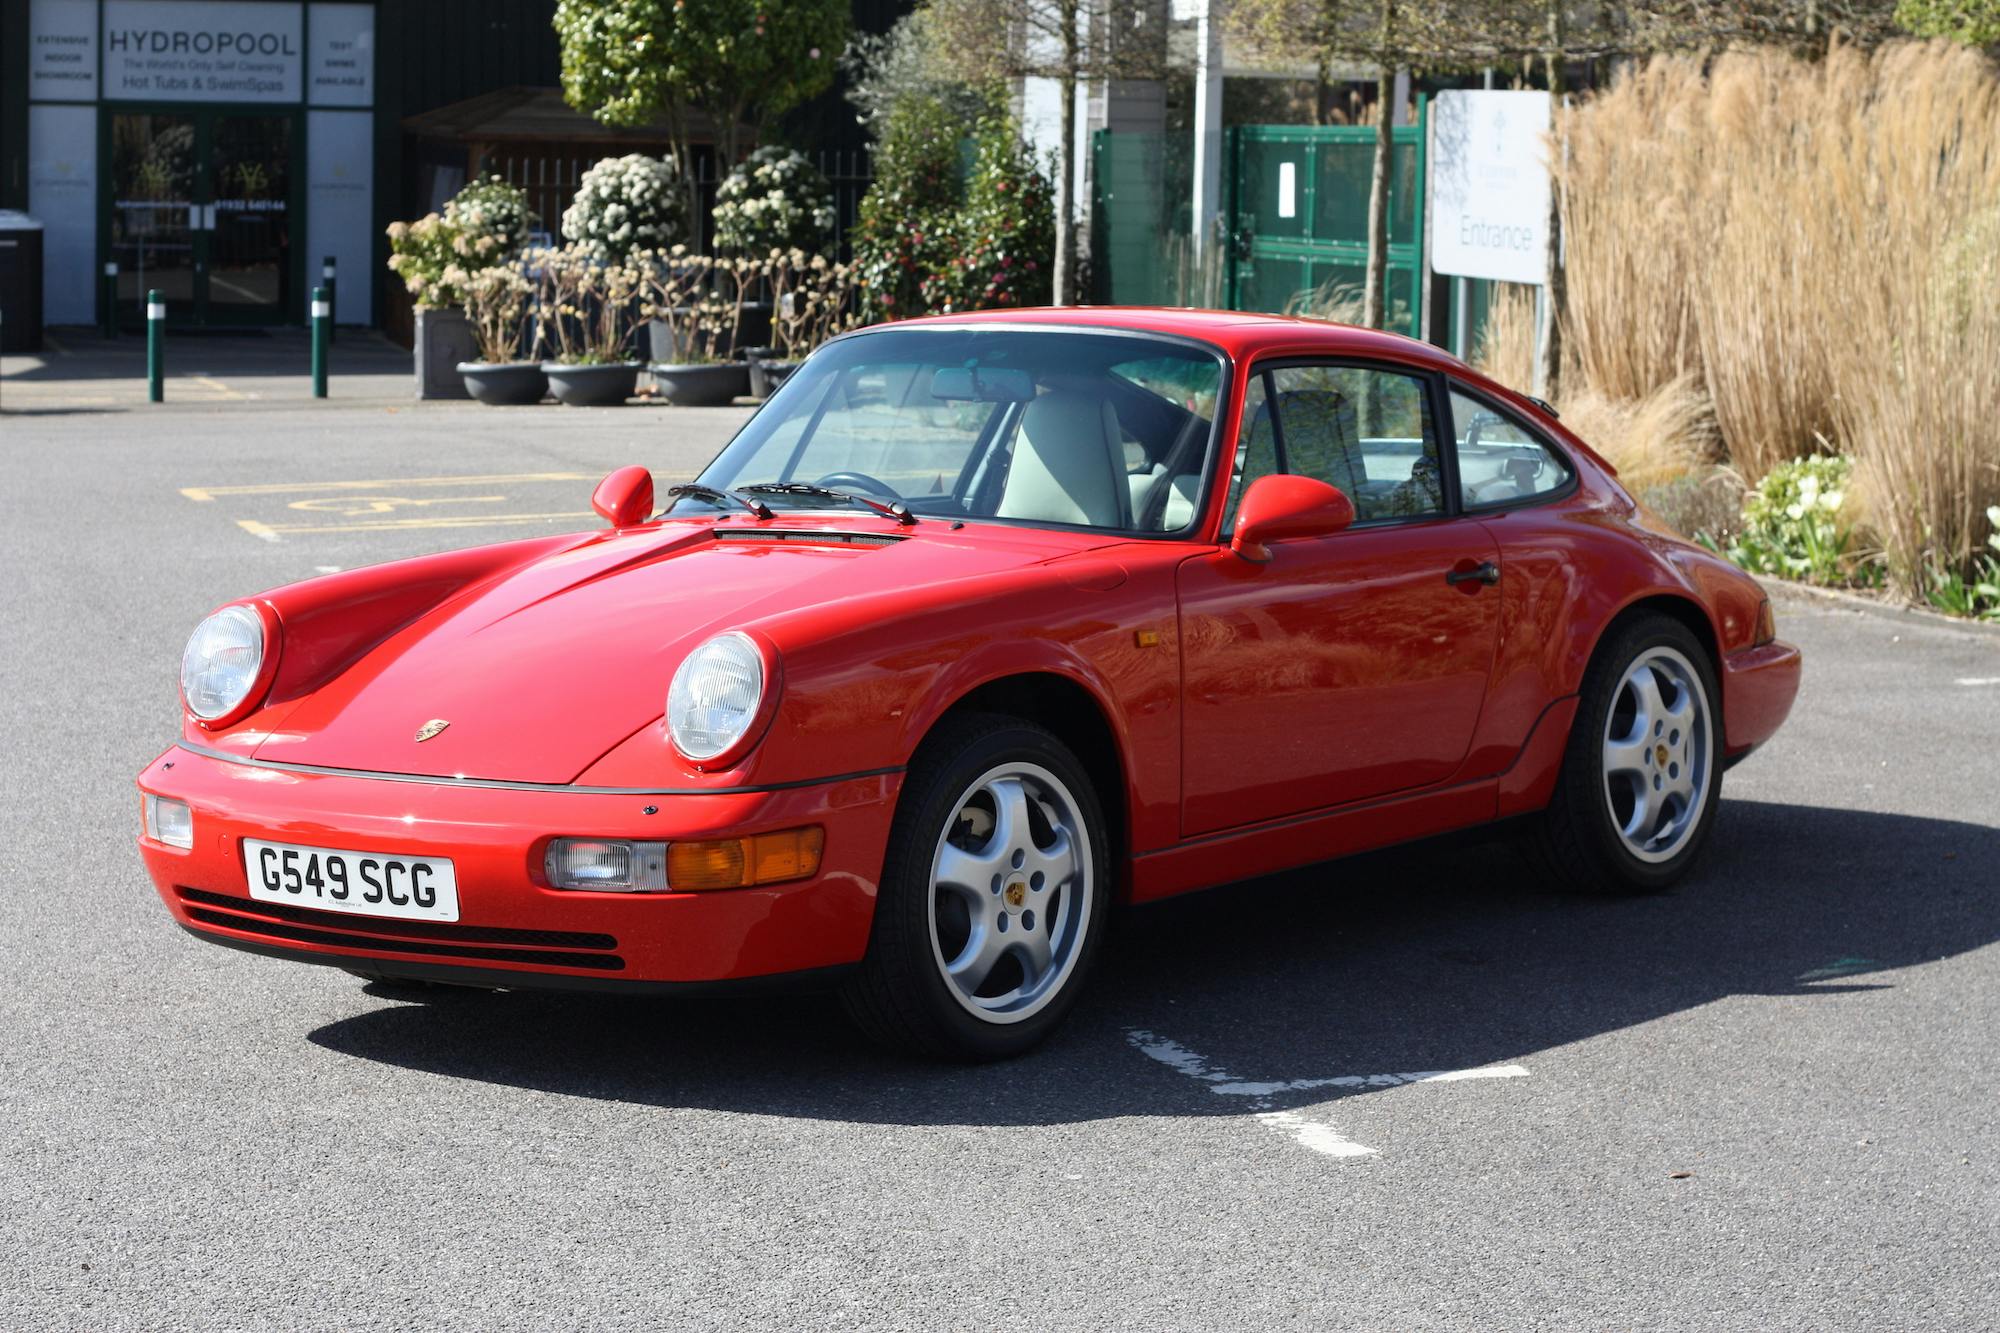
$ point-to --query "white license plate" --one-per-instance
(418, 888)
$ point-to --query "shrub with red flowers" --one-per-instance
(940, 232)
(1004, 234)
(899, 235)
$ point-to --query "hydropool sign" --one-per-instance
(202, 52)
(1489, 178)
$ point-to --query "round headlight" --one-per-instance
(224, 656)
(715, 695)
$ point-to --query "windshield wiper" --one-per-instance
(898, 511)
(701, 492)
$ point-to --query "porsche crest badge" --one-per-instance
(430, 729)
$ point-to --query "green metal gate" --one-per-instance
(1298, 210)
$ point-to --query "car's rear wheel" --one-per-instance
(993, 895)
(1642, 773)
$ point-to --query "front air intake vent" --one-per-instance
(806, 538)
(423, 939)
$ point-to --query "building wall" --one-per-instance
(428, 54)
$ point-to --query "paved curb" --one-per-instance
(1875, 606)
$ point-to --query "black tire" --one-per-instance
(1575, 841)
(900, 996)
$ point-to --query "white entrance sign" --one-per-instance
(1489, 183)
(203, 51)
(340, 193)
(340, 60)
(62, 51)
(62, 193)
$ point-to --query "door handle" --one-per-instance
(1485, 572)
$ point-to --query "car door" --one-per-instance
(1349, 666)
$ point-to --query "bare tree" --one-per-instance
(1072, 43)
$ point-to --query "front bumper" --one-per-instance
(512, 930)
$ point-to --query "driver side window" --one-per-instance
(1501, 462)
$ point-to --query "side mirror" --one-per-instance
(625, 497)
(1279, 506)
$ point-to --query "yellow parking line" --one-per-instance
(269, 532)
(207, 493)
(218, 386)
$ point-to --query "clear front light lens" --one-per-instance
(223, 657)
(169, 821)
(608, 866)
(714, 696)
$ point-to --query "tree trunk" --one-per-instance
(681, 153)
(1065, 274)
(1549, 348)
(1374, 293)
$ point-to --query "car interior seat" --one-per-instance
(1069, 464)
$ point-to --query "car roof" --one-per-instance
(1240, 333)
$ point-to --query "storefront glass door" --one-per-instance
(154, 214)
(201, 206)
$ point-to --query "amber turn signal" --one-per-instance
(1767, 625)
(735, 863)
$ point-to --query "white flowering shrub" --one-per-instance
(490, 220)
(773, 200)
(626, 204)
(1796, 523)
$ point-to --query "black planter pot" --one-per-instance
(505, 383)
(703, 384)
(756, 326)
(766, 375)
(592, 386)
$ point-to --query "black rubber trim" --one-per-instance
(392, 926)
(812, 979)
(502, 784)
(601, 962)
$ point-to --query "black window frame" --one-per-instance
(1216, 454)
(1450, 386)
(1440, 413)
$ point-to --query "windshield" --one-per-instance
(1072, 429)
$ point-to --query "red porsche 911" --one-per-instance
(983, 625)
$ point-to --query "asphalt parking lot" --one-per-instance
(1411, 1090)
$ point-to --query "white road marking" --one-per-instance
(1319, 1138)
(256, 529)
(1977, 680)
(204, 494)
(1312, 1134)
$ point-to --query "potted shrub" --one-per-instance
(484, 224)
(699, 301)
(589, 317)
(497, 302)
(814, 300)
(772, 202)
(423, 255)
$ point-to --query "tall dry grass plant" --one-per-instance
(1813, 241)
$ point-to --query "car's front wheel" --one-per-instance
(1643, 772)
(993, 896)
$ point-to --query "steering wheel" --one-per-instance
(863, 481)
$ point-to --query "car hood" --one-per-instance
(541, 670)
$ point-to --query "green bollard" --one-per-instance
(326, 272)
(322, 327)
(156, 346)
(110, 298)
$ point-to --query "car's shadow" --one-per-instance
(1443, 956)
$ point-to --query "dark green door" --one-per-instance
(1299, 219)
(202, 205)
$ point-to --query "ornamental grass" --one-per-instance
(1811, 248)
